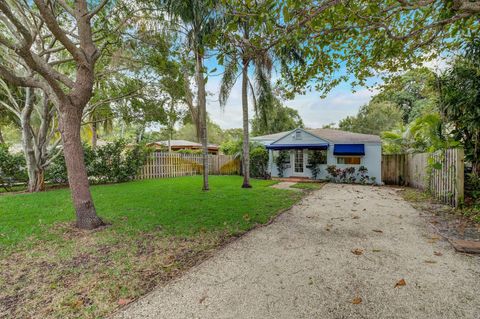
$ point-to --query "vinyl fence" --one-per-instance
(164, 164)
(441, 173)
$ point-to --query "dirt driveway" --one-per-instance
(302, 266)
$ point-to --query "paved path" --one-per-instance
(302, 266)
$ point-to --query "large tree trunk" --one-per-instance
(202, 111)
(246, 142)
(69, 126)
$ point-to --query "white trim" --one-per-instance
(301, 129)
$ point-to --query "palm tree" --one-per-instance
(262, 96)
(198, 19)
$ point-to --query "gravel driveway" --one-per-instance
(302, 266)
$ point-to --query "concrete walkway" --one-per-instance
(338, 254)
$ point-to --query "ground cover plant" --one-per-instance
(158, 229)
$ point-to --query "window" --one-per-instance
(317, 157)
(350, 160)
(298, 135)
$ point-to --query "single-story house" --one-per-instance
(340, 148)
(178, 145)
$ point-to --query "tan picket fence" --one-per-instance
(164, 164)
(441, 173)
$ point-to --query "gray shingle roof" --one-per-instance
(332, 135)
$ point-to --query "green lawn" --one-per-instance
(159, 228)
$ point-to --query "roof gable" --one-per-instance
(329, 135)
(299, 136)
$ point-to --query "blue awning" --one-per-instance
(349, 149)
(321, 146)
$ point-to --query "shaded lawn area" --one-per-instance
(159, 228)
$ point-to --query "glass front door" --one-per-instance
(298, 161)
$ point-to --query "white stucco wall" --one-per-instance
(372, 161)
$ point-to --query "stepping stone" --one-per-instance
(466, 246)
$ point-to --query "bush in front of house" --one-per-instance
(349, 175)
(315, 159)
(111, 163)
(281, 162)
(259, 162)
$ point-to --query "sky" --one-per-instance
(315, 111)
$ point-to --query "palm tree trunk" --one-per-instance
(202, 108)
(246, 142)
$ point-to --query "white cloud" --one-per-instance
(314, 111)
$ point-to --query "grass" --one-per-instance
(308, 186)
(417, 196)
(159, 228)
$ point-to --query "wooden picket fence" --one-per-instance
(164, 164)
(441, 173)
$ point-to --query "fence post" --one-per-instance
(460, 178)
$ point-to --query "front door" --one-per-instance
(298, 162)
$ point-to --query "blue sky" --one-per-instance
(341, 102)
(315, 112)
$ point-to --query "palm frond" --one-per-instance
(228, 81)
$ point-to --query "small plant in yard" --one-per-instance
(350, 175)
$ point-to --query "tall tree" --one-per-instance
(460, 99)
(280, 118)
(373, 118)
(246, 28)
(31, 105)
(33, 32)
(198, 21)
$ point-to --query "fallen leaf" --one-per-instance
(355, 217)
(400, 283)
(357, 251)
(430, 262)
(357, 300)
(437, 253)
(123, 302)
(376, 250)
(377, 230)
(246, 217)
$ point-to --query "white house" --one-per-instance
(340, 148)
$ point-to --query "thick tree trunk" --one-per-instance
(202, 111)
(36, 174)
(69, 126)
(246, 142)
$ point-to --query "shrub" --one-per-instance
(315, 159)
(258, 161)
(281, 162)
(348, 175)
(112, 163)
(12, 167)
